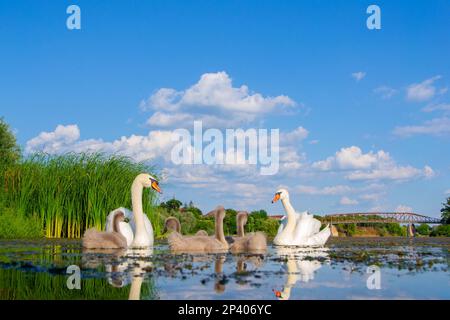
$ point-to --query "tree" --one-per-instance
(172, 205)
(9, 150)
(229, 223)
(445, 212)
(441, 231)
(423, 229)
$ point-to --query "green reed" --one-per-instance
(72, 192)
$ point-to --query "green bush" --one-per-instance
(423, 229)
(349, 229)
(441, 231)
(394, 229)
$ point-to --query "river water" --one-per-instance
(346, 268)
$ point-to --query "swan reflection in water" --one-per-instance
(129, 266)
(123, 266)
(298, 267)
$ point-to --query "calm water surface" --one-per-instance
(408, 269)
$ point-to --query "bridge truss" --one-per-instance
(379, 217)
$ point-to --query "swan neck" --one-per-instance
(136, 202)
(219, 230)
(288, 207)
(116, 224)
(290, 212)
(240, 228)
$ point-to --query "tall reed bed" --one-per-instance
(70, 193)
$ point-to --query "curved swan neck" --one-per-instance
(288, 207)
(116, 226)
(218, 227)
(240, 227)
(136, 202)
(290, 211)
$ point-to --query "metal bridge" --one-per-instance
(379, 217)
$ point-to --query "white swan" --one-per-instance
(139, 230)
(299, 229)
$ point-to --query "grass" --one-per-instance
(67, 194)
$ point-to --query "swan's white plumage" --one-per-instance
(306, 230)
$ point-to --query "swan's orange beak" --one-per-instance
(276, 198)
(156, 187)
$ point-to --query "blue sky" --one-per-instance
(370, 115)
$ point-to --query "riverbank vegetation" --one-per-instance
(372, 229)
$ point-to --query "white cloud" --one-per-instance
(51, 142)
(428, 172)
(422, 91)
(403, 208)
(391, 173)
(437, 107)
(371, 196)
(351, 158)
(385, 92)
(295, 135)
(215, 91)
(435, 127)
(370, 166)
(358, 76)
(162, 119)
(66, 139)
(329, 190)
(346, 201)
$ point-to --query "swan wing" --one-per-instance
(283, 222)
(127, 232)
(320, 238)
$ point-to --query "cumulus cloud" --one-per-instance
(346, 201)
(403, 208)
(295, 135)
(369, 166)
(66, 139)
(51, 142)
(422, 91)
(351, 158)
(214, 92)
(358, 76)
(434, 127)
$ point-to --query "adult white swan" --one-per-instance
(299, 229)
(139, 230)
